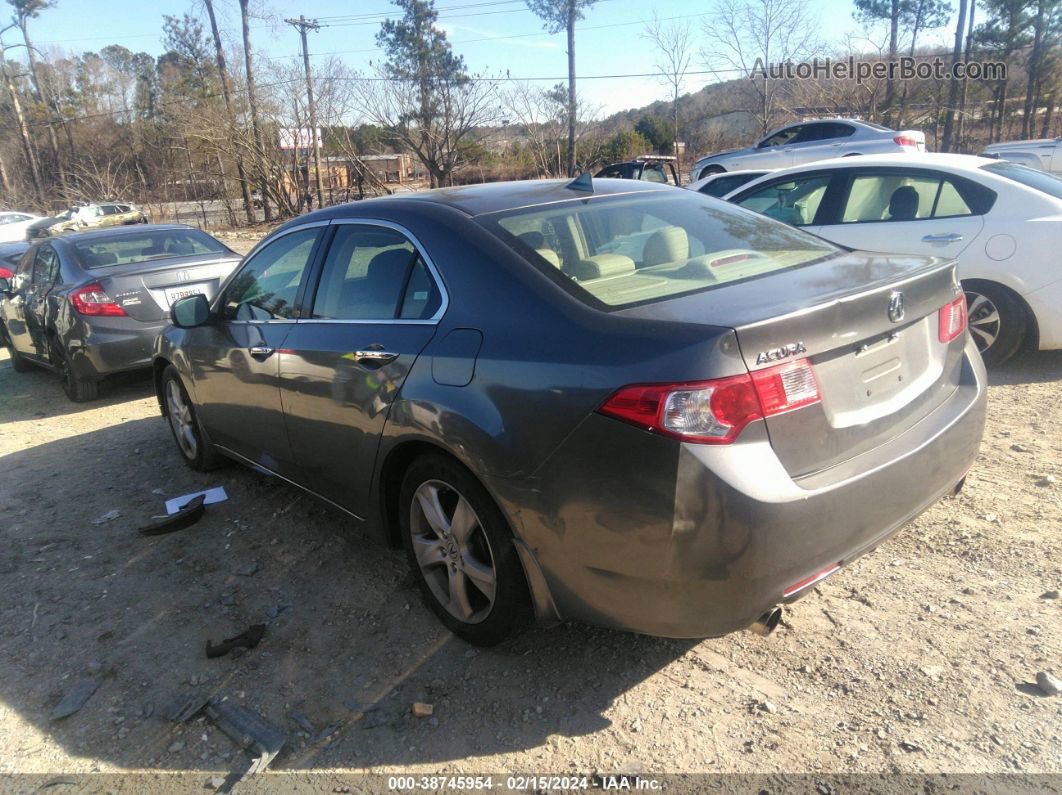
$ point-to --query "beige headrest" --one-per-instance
(549, 255)
(601, 265)
(669, 244)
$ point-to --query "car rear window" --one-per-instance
(1030, 177)
(616, 251)
(123, 249)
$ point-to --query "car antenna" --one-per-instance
(582, 182)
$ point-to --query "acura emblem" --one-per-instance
(896, 306)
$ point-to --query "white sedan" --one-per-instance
(1000, 220)
(13, 226)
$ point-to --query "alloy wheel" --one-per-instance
(452, 551)
(983, 320)
(180, 415)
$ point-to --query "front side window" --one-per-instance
(794, 202)
(902, 197)
(266, 286)
(374, 273)
(623, 250)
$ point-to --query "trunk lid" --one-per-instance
(146, 289)
(877, 375)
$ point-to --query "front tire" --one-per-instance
(708, 171)
(461, 550)
(79, 390)
(196, 451)
(997, 320)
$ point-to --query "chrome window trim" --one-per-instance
(268, 239)
(432, 269)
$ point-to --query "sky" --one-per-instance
(494, 36)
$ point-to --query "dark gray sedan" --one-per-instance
(90, 304)
(625, 403)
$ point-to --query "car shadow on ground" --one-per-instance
(349, 647)
(1028, 367)
(37, 393)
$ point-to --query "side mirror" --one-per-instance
(191, 311)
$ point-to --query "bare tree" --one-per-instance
(561, 15)
(20, 118)
(226, 90)
(747, 35)
(252, 101)
(953, 88)
(438, 141)
(674, 53)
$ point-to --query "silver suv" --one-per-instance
(806, 141)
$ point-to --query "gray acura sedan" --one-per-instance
(618, 402)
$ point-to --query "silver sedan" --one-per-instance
(808, 141)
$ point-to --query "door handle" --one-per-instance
(374, 357)
(260, 350)
(951, 237)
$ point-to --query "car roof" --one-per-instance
(491, 197)
(112, 231)
(948, 162)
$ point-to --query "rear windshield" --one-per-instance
(124, 249)
(1030, 177)
(625, 250)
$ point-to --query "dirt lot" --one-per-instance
(920, 657)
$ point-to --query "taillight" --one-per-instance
(716, 411)
(92, 300)
(906, 140)
(6, 274)
(951, 320)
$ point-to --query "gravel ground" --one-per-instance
(918, 658)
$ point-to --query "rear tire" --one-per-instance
(997, 320)
(461, 550)
(79, 390)
(19, 363)
(195, 449)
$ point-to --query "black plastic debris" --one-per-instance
(247, 639)
(249, 730)
(184, 707)
(75, 698)
(191, 513)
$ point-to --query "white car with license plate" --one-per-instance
(1001, 221)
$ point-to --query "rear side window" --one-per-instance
(794, 202)
(624, 250)
(374, 273)
(268, 283)
(45, 266)
(900, 196)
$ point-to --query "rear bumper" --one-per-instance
(639, 533)
(111, 345)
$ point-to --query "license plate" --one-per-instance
(177, 293)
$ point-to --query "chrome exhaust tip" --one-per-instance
(765, 624)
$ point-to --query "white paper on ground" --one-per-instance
(216, 494)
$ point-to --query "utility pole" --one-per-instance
(303, 25)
